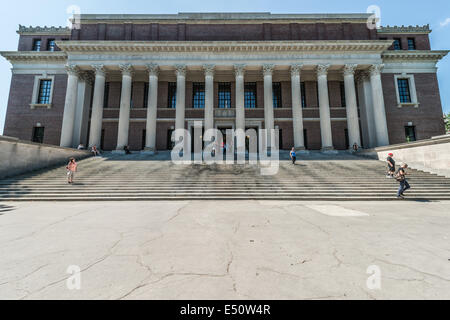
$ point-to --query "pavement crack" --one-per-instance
(413, 269)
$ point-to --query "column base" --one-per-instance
(149, 151)
(329, 150)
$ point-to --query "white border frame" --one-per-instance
(412, 90)
(34, 99)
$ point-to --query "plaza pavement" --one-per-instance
(225, 250)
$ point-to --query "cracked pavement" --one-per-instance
(225, 250)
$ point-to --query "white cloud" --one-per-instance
(445, 23)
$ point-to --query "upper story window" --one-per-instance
(397, 44)
(225, 95)
(198, 95)
(172, 95)
(51, 45)
(45, 87)
(404, 90)
(302, 86)
(411, 44)
(106, 95)
(343, 101)
(276, 89)
(37, 44)
(250, 95)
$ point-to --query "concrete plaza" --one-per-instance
(225, 250)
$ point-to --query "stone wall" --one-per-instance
(431, 155)
(17, 157)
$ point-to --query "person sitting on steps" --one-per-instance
(127, 150)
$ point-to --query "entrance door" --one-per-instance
(247, 139)
(224, 143)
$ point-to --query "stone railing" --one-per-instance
(17, 156)
(432, 155)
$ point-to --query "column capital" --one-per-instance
(349, 69)
(72, 70)
(127, 69)
(99, 69)
(239, 70)
(209, 70)
(296, 69)
(322, 69)
(268, 69)
(376, 69)
(361, 76)
(180, 70)
(153, 69)
(87, 77)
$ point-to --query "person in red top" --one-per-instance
(71, 169)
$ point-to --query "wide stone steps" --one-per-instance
(134, 178)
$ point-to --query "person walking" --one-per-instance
(391, 165)
(401, 178)
(293, 156)
(71, 169)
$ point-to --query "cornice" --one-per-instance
(33, 56)
(405, 29)
(225, 46)
(24, 30)
(417, 55)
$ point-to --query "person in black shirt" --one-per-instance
(391, 166)
(401, 178)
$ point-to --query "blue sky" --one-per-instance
(54, 12)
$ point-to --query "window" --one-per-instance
(146, 86)
(302, 86)
(170, 142)
(410, 133)
(37, 45)
(343, 102)
(51, 45)
(250, 95)
(172, 98)
(276, 89)
(225, 95)
(397, 44)
(45, 87)
(38, 134)
(404, 91)
(198, 95)
(411, 44)
(106, 95)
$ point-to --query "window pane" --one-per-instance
(38, 134)
(250, 95)
(410, 132)
(172, 99)
(403, 91)
(44, 91)
(37, 45)
(198, 95)
(277, 95)
(51, 46)
(397, 44)
(343, 101)
(411, 44)
(225, 95)
(146, 86)
(106, 96)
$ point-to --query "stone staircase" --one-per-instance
(141, 177)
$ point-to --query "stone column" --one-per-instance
(366, 107)
(181, 96)
(297, 111)
(85, 83)
(268, 102)
(352, 105)
(324, 108)
(95, 133)
(125, 103)
(69, 107)
(150, 139)
(379, 111)
(239, 71)
(209, 97)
